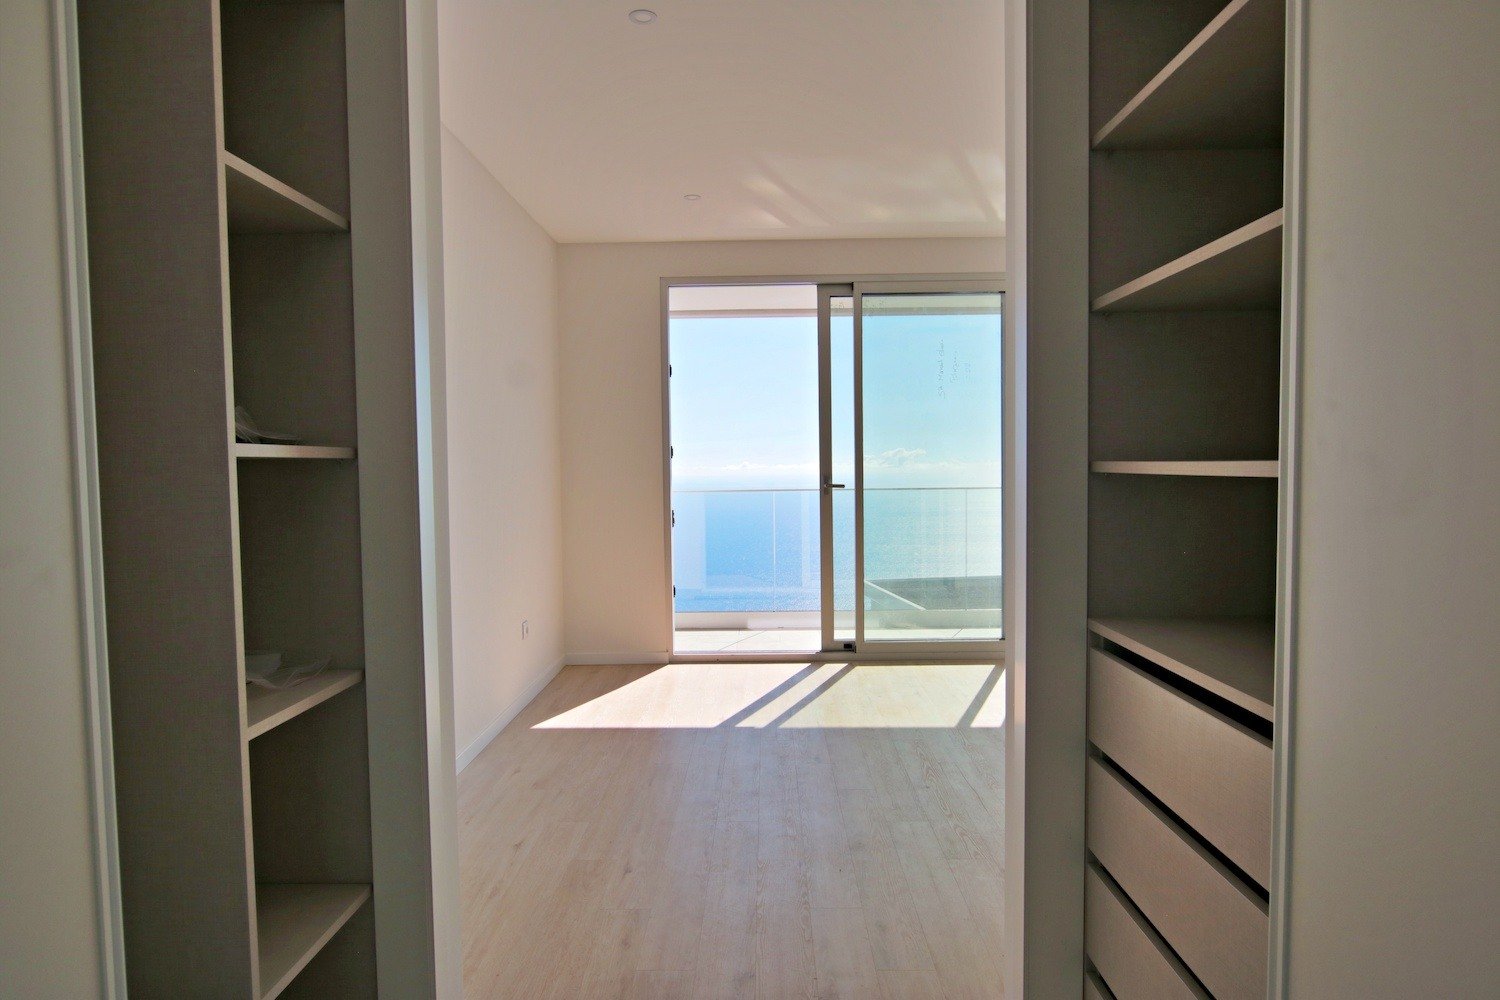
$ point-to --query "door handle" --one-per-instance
(833, 486)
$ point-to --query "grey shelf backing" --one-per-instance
(1223, 90)
(259, 203)
(1230, 657)
(266, 708)
(1233, 469)
(1241, 270)
(294, 922)
(292, 451)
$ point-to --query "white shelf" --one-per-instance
(293, 451)
(1255, 469)
(1232, 657)
(1239, 271)
(265, 709)
(1223, 90)
(259, 203)
(294, 922)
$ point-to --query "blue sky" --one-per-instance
(745, 401)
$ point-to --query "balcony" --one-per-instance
(748, 569)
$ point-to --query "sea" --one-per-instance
(759, 550)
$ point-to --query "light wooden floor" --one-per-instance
(760, 831)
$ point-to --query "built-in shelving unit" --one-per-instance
(218, 149)
(1185, 255)
(1223, 90)
(259, 203)
(294, 922)
(1234, 469)
(293, 451)
(267, 708)
(1241, 270)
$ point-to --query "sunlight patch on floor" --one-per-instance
(799, 695)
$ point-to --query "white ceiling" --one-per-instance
(793, 119)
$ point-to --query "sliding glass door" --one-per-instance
(911, 421)
(834, 463)
(838, 473)
(744, 446)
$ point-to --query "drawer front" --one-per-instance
(1208, 917)
(1213, 773)
(1123, 949)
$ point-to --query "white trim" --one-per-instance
(658, 657)
(93, 639)
(1289, 516)
(507, 715)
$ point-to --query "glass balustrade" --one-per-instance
(932, 558)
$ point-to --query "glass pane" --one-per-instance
(932, 438)
(745, 551)
(746, 562)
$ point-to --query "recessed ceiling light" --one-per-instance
(691, 197)
(642, 16)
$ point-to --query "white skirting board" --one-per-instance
(484, 739)
(656, 657)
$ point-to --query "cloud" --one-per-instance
(896, 458)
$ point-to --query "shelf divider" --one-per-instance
(292, 451)
(1251, 469)
(259, 203)
(267, 708)
(1222, 91)
(1231, 657)
(295, 921)
(1241, 270)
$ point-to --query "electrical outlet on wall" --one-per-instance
(525, 628)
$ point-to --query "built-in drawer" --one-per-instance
(1211, 771)
(1206, 913)
(1126, 951)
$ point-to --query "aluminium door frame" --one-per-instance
(968, 652)
(827, 292)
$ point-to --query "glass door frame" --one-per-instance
(827, 292)
(856, 290)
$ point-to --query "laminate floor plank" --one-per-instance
(757, 831)
(911, 986)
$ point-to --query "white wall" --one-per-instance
(613, 506)
(49, 938)
(504, 448)
(1046, 553)
(1395, 835)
